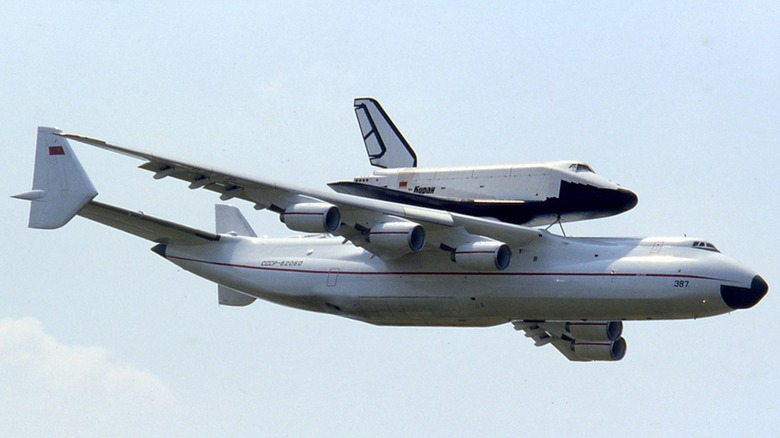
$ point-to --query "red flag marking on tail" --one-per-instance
(56, 150)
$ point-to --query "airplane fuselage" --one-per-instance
(529, 194)
(573, 279)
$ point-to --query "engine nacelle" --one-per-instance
(400, 237)
(601, 350)
(485, 255)
(595, 330)
(312, 217)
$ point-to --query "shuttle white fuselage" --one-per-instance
(522, 194)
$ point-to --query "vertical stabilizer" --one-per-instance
(385, 144)
(60, 186)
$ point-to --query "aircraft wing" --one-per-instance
(358, 216)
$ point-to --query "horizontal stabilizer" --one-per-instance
(60, 186)
(144, 226)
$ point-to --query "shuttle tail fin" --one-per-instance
(385, 144)
(61, 188)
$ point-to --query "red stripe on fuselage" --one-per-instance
(431, 273)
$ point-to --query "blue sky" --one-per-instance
(98, 335)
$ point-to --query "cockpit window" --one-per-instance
(705, 245)
(581, 167)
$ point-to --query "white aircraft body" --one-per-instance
(393, 264)
(525, 194)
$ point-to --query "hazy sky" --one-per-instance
(99, 336)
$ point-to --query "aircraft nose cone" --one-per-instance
(595, 200)
(744, 297)
(627, 198)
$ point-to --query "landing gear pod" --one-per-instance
(595, 330)
(606, 351)
(312, 217)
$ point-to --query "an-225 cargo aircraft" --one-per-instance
(522, 194)
(389, 263)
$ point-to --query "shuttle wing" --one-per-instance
(357, 215)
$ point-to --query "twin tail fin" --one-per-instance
(61, 188)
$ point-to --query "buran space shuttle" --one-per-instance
(523, 194)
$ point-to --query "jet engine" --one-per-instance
(312, 217)
(483, 255)
(400, 237)
(602, 350)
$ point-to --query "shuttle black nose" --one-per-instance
(627, 198)
(595, 201)
(744, 297)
